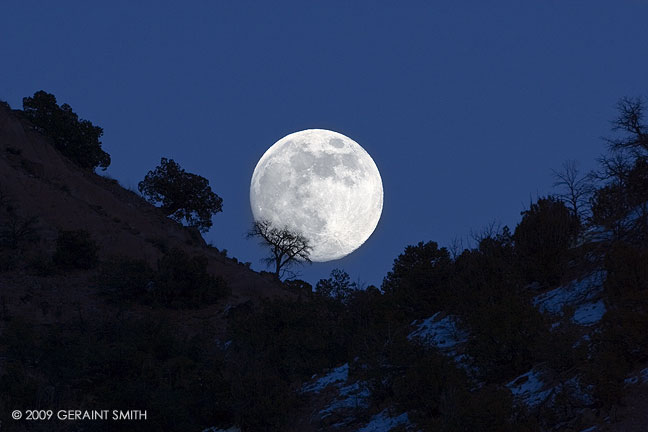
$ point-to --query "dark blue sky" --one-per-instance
(465, 107)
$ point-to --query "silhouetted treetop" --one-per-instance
(338, 286)
(287, 247)
(575, 189)
(417, 275)
(76, 138)
(630, 122)
(181, 195)
(621, 205)
(543, 237)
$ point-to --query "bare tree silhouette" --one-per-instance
(575, 189)
(287, 247)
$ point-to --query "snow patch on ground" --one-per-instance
(352, 396)
(594, 235)
(445, 335)
(440, 333)
(575, 292)
(529, 388)
(349, 395)
(589, 313)
(641, 377)
(338, 376)
(601, 234)
(383, 422)
(575, 387)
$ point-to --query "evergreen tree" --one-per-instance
(76, 138)
(181, 195)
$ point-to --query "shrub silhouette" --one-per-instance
(609, 208)
(621, 206)
(180, 281)
(181, 195)
(506, 331)
(338, 286)
(15, 230)
(75, 250)
(299, 287)
(414, 283)
(543, 237)
(183, 281)
(76, 138)
(122, 278)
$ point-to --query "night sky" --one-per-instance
(465, 107)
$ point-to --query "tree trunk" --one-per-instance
(277, 267)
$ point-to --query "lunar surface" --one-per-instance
(322, 185)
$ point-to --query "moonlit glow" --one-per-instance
(323, 185)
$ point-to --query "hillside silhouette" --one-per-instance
(107, 302)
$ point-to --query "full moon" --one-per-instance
(323, 185)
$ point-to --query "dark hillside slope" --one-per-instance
(104, 301)
(38, 182)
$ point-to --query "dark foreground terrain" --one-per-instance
(105, 303)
